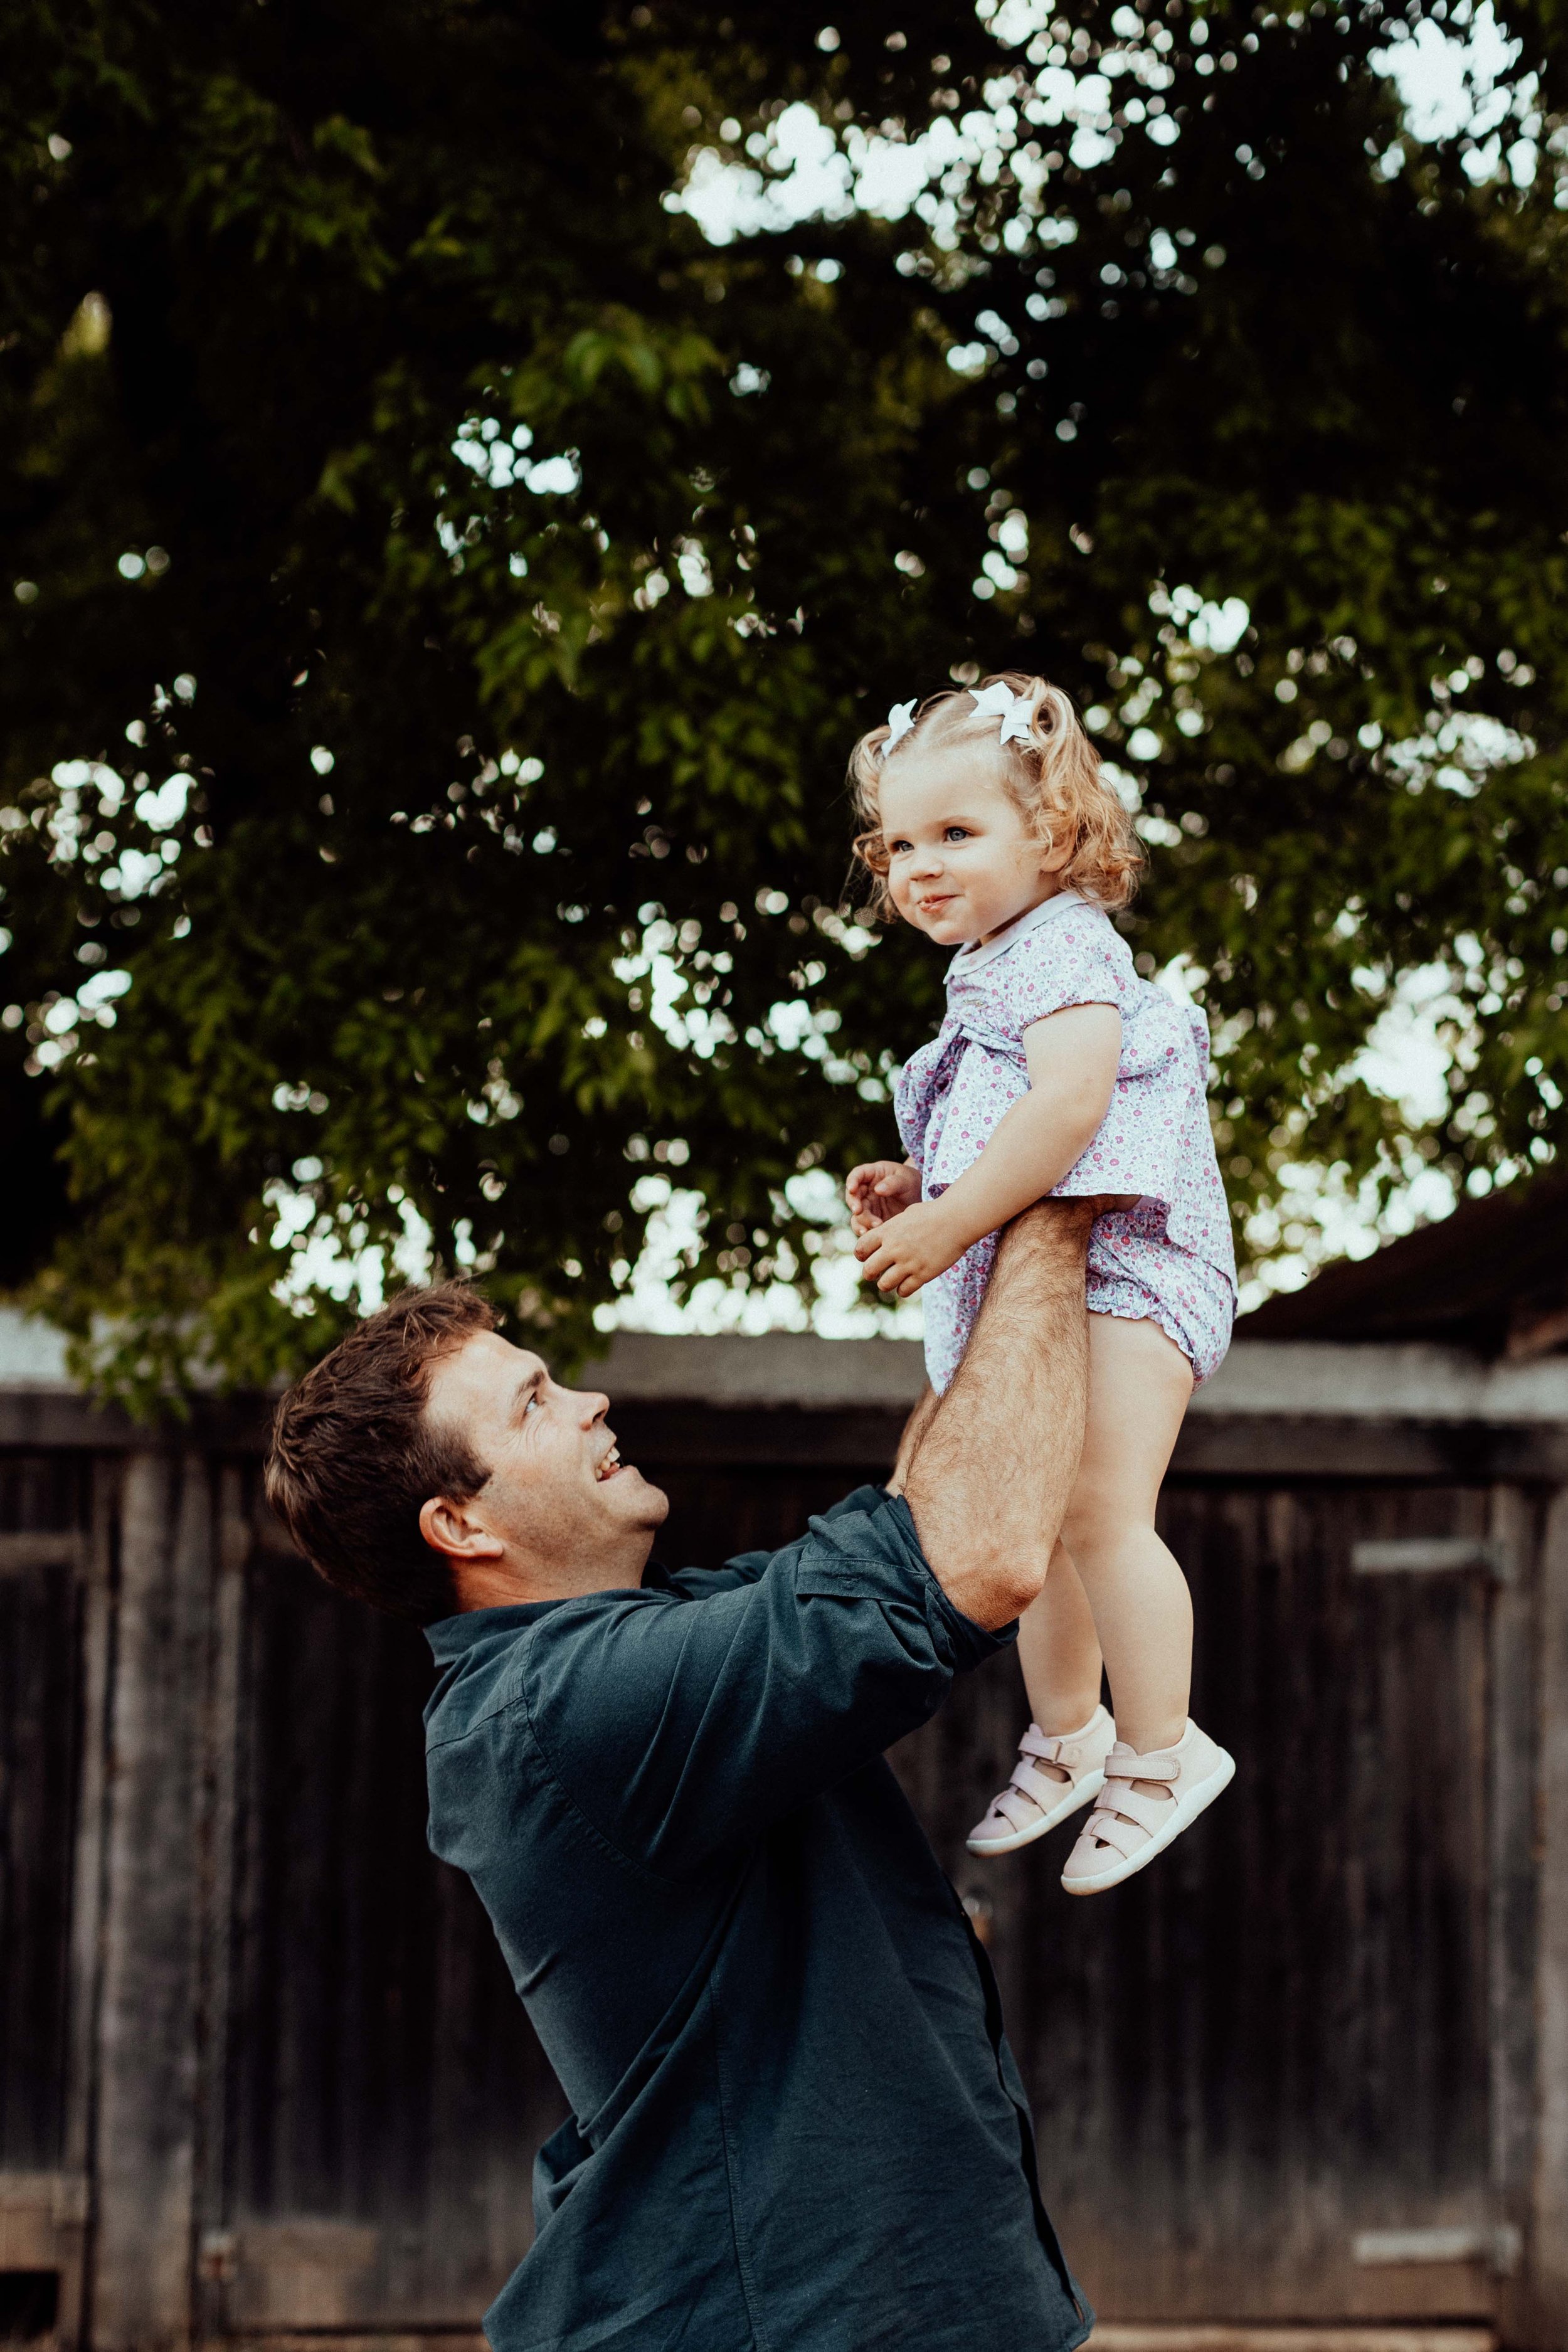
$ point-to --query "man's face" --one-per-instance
(559, 1497)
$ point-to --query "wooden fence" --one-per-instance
(262, 2075)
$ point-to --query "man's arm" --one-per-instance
(681, 1730)
(746, 1567)
(995, 1463)
(925, 1404)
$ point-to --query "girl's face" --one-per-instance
(962, 864)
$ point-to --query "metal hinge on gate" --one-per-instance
(1496, 2244)
(69, 2204)
(1433, 1555)
(218, 2257)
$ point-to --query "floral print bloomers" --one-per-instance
(1170, 1259)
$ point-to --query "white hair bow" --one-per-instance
(901, 719)
(999, 701)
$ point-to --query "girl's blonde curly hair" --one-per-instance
(1052, 776)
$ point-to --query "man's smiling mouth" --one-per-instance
(608, 1465)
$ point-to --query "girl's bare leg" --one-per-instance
(1059, 1650)
(1060, 1767)
(1139, 1386)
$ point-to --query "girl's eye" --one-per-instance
(956, 832)
(897, 848)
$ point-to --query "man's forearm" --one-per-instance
(994, 1464)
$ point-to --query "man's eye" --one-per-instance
(530, 1404)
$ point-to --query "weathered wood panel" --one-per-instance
(1306, 2023)
(1277, 2037)
(144, 2157)
(386, 2093)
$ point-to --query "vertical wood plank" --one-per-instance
(39, 1654)
(88, 1870)
(218, 1856)
(146, 2140)
(48, 1692)
(87, 1906)
(1540, 2314)
(1511, 1926)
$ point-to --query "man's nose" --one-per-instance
(591, 1406)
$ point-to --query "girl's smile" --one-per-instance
(962, 862)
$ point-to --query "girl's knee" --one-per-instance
(1101, 1517)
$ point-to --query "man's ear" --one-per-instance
(448, 1528)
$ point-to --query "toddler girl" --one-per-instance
(1057, 1071)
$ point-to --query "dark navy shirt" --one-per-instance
(796, 2125)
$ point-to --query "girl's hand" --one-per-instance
(911, 1249)
(878, 1189)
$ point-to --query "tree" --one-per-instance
(447, 586)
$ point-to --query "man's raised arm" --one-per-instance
(993, 1465)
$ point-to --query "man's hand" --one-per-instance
(878, 1189)
(911, 1249)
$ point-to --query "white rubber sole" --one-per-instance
(1184, 1813)
(1082, 1792)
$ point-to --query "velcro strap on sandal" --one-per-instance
(1017, 1809)
(1047, 1744)
(1151, 1813)
(1045, 1793)
(1161, 1767)
(1125, 1837)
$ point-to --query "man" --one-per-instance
(796, 2124)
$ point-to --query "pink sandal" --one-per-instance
(1128, 1828)
(1034, 1800)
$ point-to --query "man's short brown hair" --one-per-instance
(354, 1455)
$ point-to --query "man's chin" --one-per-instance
(634, 1498)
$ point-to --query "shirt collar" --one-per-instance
(453, 1637)
(970, 959)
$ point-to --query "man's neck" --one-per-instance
(510, 1582)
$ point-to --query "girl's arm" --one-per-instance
(1073, 1057)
